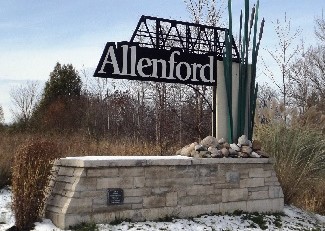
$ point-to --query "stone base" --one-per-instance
(159, 186)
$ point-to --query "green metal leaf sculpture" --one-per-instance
(247, 72)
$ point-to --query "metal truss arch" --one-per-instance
(159, 33)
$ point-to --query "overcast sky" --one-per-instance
(35, 34)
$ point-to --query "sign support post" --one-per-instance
(214, 111)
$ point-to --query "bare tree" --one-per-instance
(300, 84)
(209, 12)
(206, 11)
(320, 29)
(24, 98)
(283, 53)
(316, 59)
(2, 118)
(307, 74)
(307, 88)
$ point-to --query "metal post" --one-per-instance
(214, 111)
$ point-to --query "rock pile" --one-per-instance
(211, 147)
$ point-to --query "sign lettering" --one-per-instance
(130, 61)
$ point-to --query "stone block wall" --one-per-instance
(155, 187)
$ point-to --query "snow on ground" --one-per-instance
(291, 219)
(6, 216)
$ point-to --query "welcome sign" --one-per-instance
(128, 60)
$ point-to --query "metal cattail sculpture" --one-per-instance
(247, 92)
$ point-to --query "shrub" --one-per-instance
(299, 155)
(30, 177)
(5, 171)
(8, 146)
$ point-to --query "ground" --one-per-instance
(292, 218)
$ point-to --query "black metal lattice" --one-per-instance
(162, 33)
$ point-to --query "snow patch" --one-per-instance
(293, 219)
(7, 218)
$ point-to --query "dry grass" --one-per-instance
(300, 162)
(312, 197)
(8, 147)
(75, 145)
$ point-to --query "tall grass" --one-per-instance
(78, 145)
(312, 197)
(300, 158)
(8, 147)
(75, 145)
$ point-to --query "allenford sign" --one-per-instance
(127, 60)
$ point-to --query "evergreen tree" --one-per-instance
(61, 105)
(64, 83)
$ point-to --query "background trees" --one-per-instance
(159, 113)
(169, 114)
(2, 119)
(24, 99)
(307, 81)
(282, 54)
(64, 84)
(61, 104)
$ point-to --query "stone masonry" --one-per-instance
(159, 186)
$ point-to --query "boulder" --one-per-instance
(197, 155)
(254, 155)
(204, 154)
(232, 152)
(214, 155)
(192, 145)
(200, 147)
(262, 154)
(235, 147)
(243, 140)
(219, 146)
(225, 152)
(209, 141)
(221, 141)
(194, 153)
(243, 155)
(186, 151)
(210, 147)
(219, 154)
(213, 150)
(246, 149)
(226, 145)
(207, 155)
